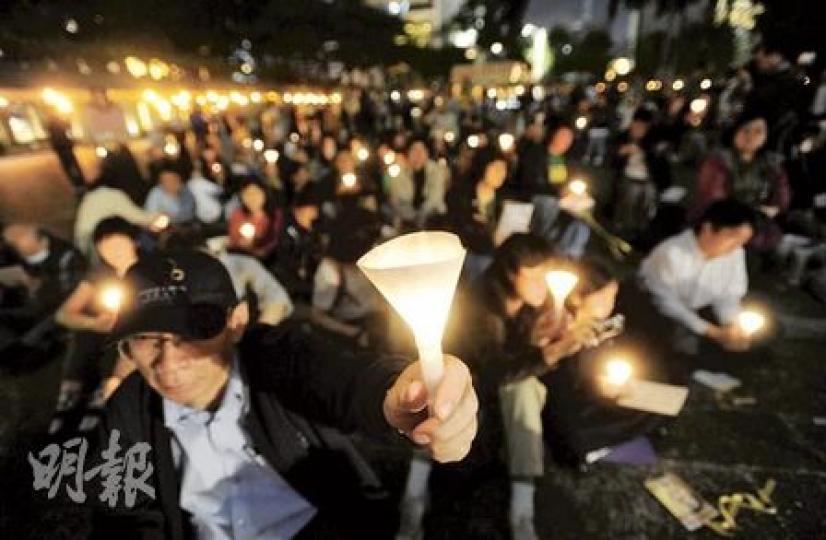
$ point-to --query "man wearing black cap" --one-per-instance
(234, 423)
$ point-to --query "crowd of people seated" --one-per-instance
(287, 199)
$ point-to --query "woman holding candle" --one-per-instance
(504, 325)
(474, 207)
(745, 172)
(254, 226)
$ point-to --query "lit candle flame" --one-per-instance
(161, 222)
(349, 180)
(751, 322)
(394, 170)
(506, 142)
(581, 122)
(363, 154)
(271, 156)
(618, 371)
(170, 149)
(111, 298)
(578, 187)
(389, 158)
(247, 230)
(258, 145)
(450, 137)
(101, 152)
(473, 141)
(561, 283)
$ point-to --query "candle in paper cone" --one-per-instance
(417, 274)
(111, 297)
(561, 283)
(751, 322)
(247, 230)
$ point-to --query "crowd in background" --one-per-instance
(704, 184)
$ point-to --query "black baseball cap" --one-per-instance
(187, 293)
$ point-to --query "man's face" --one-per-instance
(23, 239)
(188, 372)
(720, 242)
(170, 182)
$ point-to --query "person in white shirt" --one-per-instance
(704, 267)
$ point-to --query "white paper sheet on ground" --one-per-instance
(13, 276)
(515, 218)
(673, 195)
(654, 397)
(722, 382)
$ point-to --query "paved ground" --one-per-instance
(716, 448)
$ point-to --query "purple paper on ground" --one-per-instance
(637, 451)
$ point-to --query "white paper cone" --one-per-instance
(417, 274)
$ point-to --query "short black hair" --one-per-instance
(520, 250)
(112, 226)
(726, 214)
(642, 114)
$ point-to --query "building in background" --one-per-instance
(423, 18)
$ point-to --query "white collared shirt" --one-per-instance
(682, 280)
(229, 490)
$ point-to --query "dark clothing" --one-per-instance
(471, 220)
(531, 175)
(298, 253)
(497, 348)
(296, 383)
(58, 275)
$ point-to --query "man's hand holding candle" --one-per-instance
(447, 434)
(731, 337)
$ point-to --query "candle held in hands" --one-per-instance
(247, 230)
(111, 297)
(417, 274)
(751, 322)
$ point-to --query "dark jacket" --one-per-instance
(297, 385)
(496, 347)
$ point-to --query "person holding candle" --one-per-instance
(744, 171)
(207, 390)
(89, 318)
(505, 326)
(111, 196)
(703, 267)
(171, 197)
(300, 247)
(417, 194)
(641, 173)
(474, 207)
(255, 225)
